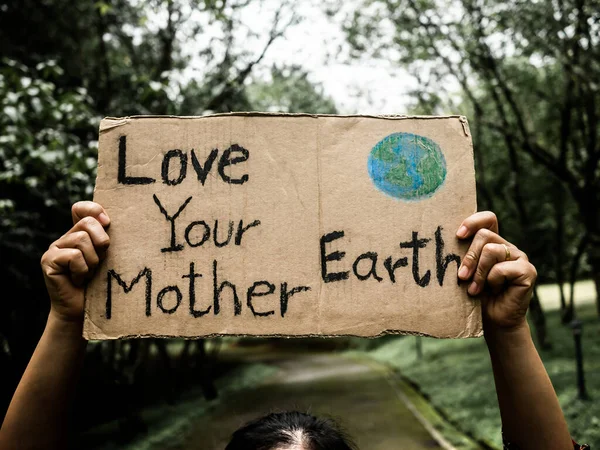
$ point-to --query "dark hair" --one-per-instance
(289, 428)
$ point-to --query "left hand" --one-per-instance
(70, 261)
(499, 273)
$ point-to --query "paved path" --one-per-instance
(357, 395)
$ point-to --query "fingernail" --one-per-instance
(473, 289)
(103, 219)
(462, 231)
(463, 272)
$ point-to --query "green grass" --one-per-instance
(456, 376)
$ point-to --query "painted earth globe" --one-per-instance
(407, 166)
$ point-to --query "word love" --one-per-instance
(175, 163)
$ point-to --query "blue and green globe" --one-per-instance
(407, 166)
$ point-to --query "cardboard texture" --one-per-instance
(282, 224)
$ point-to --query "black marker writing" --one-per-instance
(202, 172)
(226, 160)
(441, 261)
(165, 168)
(416, 244)
(174, 247)
(122, 176)
(333, 256)
(252, 293)
(145, 272)
(192, 275)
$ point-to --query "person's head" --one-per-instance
(290, 431)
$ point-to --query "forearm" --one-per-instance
(38, 414)
(531, 415)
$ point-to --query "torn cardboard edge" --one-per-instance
(284, 114)
(110, 122)
(98, 337)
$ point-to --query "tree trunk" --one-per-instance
(559, 215)
(206, 372)
(569, 313)
(589, 208)
(593, 256)
(419, 347)
(596, 276)
(171, 387)
(535, 307)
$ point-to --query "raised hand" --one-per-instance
(499, 273)
(71, 259)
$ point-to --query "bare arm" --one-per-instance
(37, 417)
(531, 415)
(503, 278)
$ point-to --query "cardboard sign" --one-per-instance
(287, 225)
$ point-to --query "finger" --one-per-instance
(475, 222)
(82, 241)
(89, 209)
(65, 261)
(471, 259)
(491, 254)
(519, 273)
(96, 232)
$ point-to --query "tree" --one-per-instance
(65, 65)
(527, 72)
(289, 90)
(46, 162)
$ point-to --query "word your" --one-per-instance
(198, 232)
(230, 157)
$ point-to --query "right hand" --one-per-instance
(499, 273)
(70, 261)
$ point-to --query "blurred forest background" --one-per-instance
(526, 74)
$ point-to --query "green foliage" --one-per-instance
(65, 65)
(79, 62)
(47, 157)
(523, 72)
(456, 376)
(525, 188)
(289, 90)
